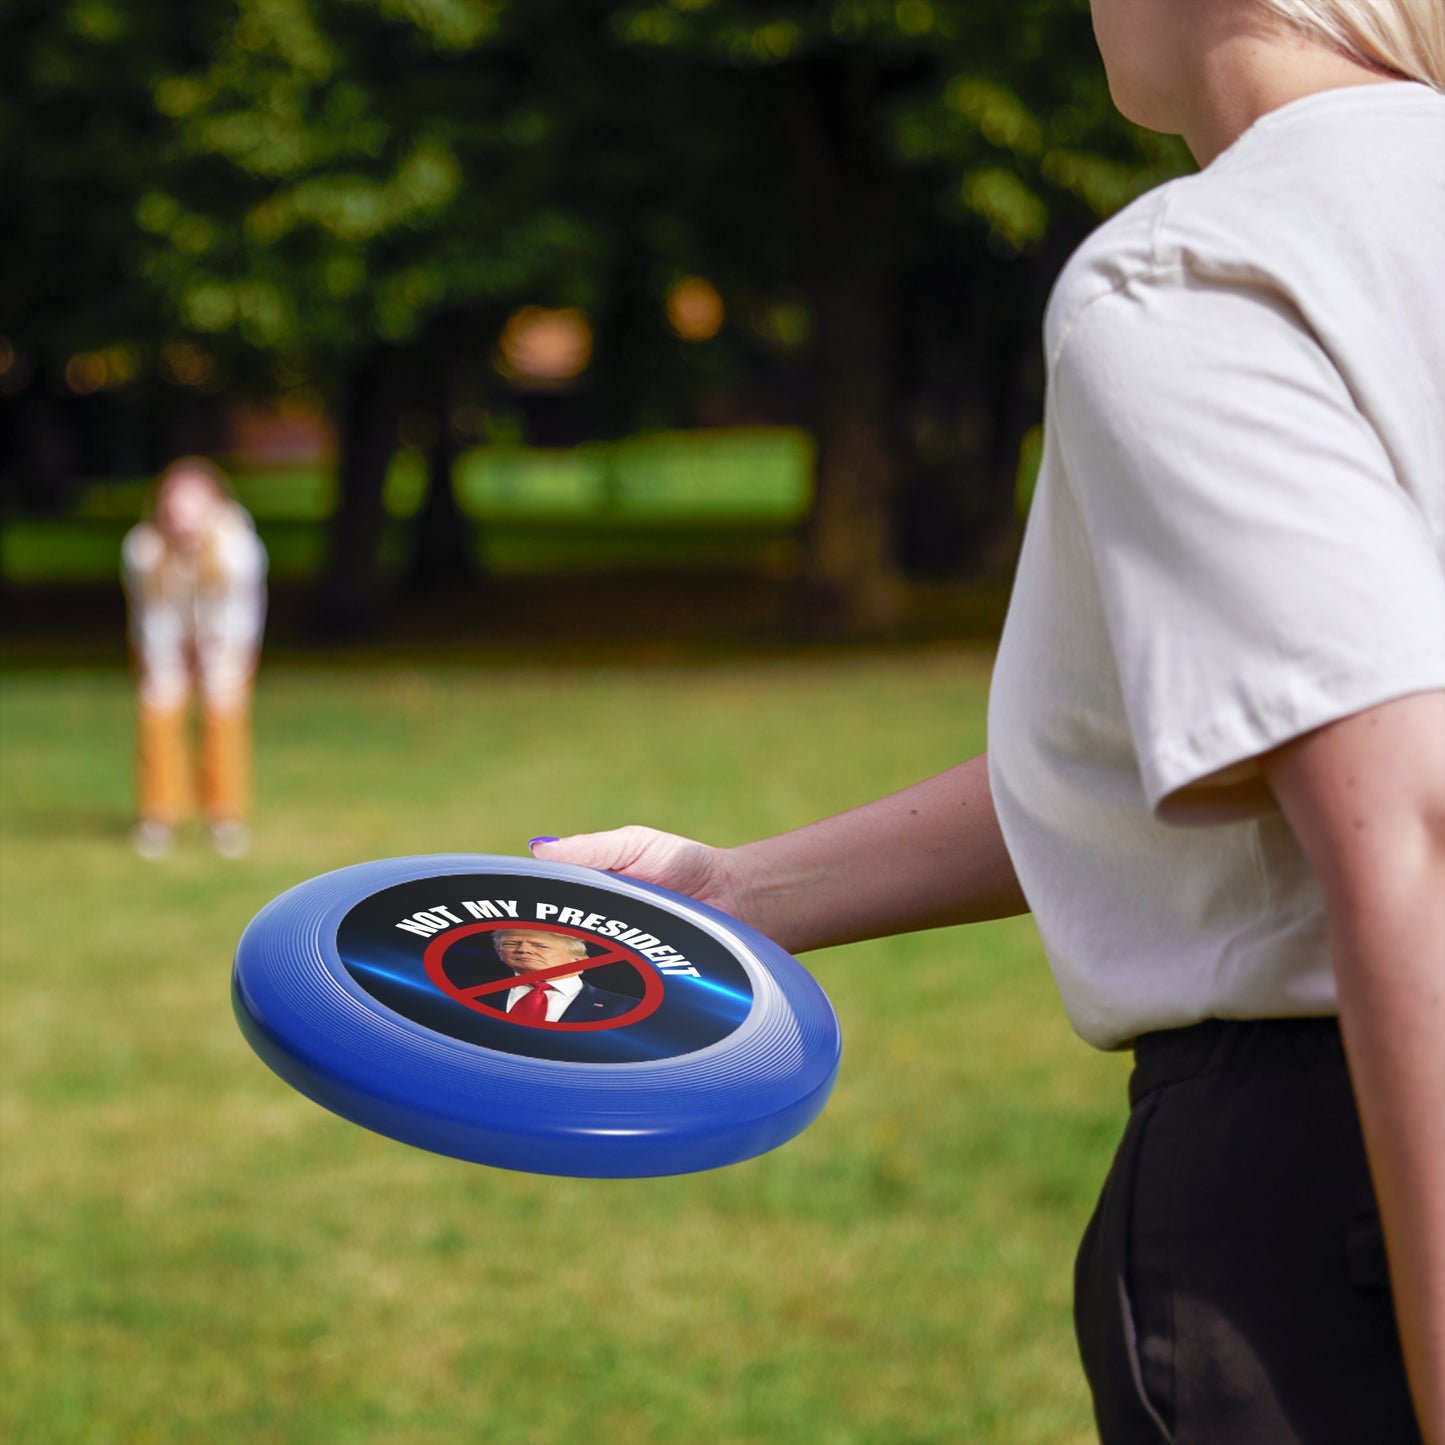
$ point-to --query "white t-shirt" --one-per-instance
(196, 618)
(1238, 536)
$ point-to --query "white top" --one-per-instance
(560, 993)
(196, 619)
(1238, 536)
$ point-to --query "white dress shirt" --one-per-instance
(560, 993)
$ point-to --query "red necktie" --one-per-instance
(531, 1008)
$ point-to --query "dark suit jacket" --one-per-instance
(592, 1004)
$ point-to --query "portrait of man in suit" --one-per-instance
(561, 998)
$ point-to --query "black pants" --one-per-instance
(1231, 1287)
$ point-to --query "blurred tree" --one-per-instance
(354, 195)
(919, 168)
(79, 139)
(367, 189)
(363, 190)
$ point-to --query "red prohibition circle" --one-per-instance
(472, 997)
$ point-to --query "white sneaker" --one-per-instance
(152, 840)
(231, 839)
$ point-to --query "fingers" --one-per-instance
(671, 862)
(613, 851)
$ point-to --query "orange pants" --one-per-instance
(163, 762)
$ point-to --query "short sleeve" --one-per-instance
(140, 554)
(1263, 570)
(241, 553)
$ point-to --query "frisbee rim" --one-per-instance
(318, 1028)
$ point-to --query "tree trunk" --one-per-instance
(46, 450)
(349, 600)
(442, 557)
(851, 262)
(852, 565)
(974, 387)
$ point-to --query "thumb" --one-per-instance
(611, 851)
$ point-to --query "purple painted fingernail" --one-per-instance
(532, 842)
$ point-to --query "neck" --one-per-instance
(1248, 65)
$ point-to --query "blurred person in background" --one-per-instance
(1216, 767)
(195, 583)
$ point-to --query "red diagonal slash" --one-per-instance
(474, 997)
(559, 970)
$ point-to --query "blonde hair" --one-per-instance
(193, 466)
(1404, 37)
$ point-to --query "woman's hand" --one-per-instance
(711, 875)
(927, 857)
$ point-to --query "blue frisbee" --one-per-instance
(535, 1016)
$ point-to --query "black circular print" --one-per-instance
(544, 968)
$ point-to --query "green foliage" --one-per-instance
(191, 1251)
(79, 140)
(1002, 106)
(343, 170)
(299, 178)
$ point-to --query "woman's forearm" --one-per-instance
(925, 857)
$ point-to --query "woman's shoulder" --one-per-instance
(1311, 202)
(237, 546)
(1117, 253)
(143, 548)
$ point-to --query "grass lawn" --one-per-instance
(192, 1252)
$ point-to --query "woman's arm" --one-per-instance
(929, 856)
(1366, 799)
